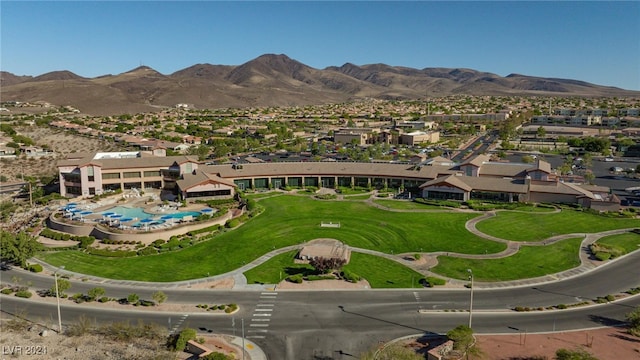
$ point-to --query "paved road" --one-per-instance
(304, 324)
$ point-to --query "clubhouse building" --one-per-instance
(86, 175)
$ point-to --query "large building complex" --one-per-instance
(436, 178)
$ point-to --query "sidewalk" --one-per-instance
(254, 351)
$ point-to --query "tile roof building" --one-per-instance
(437, 178)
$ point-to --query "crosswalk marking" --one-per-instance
(262, 314)
(265, 305)
(266, 320)
(264, 310)
(259, 325)
(255, 337)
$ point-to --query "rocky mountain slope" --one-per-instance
(275, 80)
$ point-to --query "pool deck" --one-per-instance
(151, 204)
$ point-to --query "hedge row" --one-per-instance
(84, 241)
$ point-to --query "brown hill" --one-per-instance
(275, 80)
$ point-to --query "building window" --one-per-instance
(90, 174)
(131, 174)
(106, 176)
(151, 173)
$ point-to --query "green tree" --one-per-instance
(202, 151)
(159, 297)
(63, 285)
(462, 337)
(18, 248)
(541, 132)
(180, 342)
(95, 293)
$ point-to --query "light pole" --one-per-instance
(55, 276)
(242, 338)
(471, 300)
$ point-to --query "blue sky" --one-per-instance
(598, 42)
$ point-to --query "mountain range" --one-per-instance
(276, 80)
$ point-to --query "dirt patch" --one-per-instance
(39, 343)
(226, 283)
(604, 344)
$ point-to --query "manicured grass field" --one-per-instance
(520, 226)
(289, 220)
(379, 272)
(357, 197)
(529, 262)
(383, 273)
(276, 269)
(407, 205)
(628, 242)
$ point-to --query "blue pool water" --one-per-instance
(139, 213)
(130, 212)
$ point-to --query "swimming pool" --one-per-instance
(137, 212)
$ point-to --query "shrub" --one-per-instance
(24, 294)
(146, 303)
(232, 223)
(217, 356)
(6, 291)
(561, 306)
(133, 299)
(104, 299)
(602, 256)
(35, 268)
(350, 276)
(95, 293)
(184, 336)
(297, 278)
(431, 281)
(149, 250)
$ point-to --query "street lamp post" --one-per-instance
(471, 299)
(55, 276)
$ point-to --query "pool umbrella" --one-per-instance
(206, 210)
(115, 217)
(146, 222)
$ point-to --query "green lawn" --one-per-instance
(289, 220)
(529, 262)
(379, 272)
(407, 205)
(383, 273)
(357, 197)
(519, 226)
(627, 242)
(276, 269)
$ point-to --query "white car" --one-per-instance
(608, 159)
